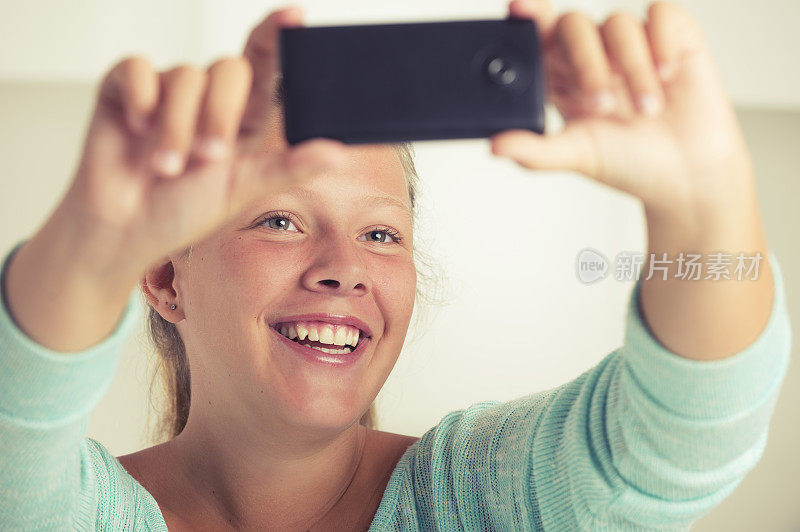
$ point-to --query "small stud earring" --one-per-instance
(173, 306)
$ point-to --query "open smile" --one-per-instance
(323, 343)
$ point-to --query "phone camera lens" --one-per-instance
(501, 71)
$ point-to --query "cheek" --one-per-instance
(253, 273)
(394, 284)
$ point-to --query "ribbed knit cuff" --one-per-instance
(40, 385)
(711, 389)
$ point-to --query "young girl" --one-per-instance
(284, 281)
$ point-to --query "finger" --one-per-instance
(132, 88)
(182, 91)
(262, 52)
(629, 51)
(571, 149)
(675, 36)
(227, 89)
(580, 42)
(540, 11)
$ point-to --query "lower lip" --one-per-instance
(326, 359)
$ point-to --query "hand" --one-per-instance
(153, 179)
(665, 132)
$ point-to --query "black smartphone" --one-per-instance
(381, 83)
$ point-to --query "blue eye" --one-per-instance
(382, 235)
(281, 223)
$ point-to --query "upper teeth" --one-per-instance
(326, 333)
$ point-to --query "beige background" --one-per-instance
(514, 318)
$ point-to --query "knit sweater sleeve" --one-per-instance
(47, 477)
(643, 440)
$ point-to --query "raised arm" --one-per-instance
(60, 296)
(166, 161)
(665, 427)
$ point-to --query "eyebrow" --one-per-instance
(376, 200)
(387, 201)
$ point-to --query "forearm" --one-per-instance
(57, 290)
(707, 319)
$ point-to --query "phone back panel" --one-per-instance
(411, 81)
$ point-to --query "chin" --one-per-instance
(328, 414)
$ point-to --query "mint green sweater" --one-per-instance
(643, 440)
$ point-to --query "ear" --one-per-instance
(157, 284)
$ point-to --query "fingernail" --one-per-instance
(604, 101)
(212, 148)
(649, 104)
(168, 161)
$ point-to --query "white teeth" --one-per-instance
(326, 334)
(340, 338)
(349, 339)
(341, 335)
(354, 337)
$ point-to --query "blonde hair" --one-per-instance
(172, 364)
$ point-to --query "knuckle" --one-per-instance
(663, 7)
(670, 13)
(573, 19)
(126, 84)
(132, 63)
(234, 65)
(620, 19)
(127, 70)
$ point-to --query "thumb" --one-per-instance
(571, 149)
(262, 50)
(540, 11)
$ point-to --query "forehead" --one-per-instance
(372, 171)
(377, 166)
(370, 180)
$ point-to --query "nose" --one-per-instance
(337, 269)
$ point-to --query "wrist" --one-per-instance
(87, 251)
(726, 218)
(54, 299)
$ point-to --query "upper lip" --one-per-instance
(337, 319)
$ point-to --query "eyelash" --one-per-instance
(396, 238)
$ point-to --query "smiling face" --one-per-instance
(340, 244)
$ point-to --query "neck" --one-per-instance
(253, 481)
